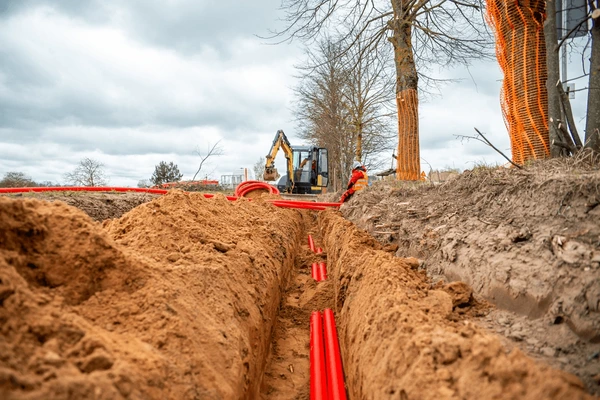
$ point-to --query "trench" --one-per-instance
(224, 313)
(400, 337)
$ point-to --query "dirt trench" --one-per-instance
(192, 298)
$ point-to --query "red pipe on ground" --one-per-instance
(278, 203)
(248, 186)
(311, 243)
(318, 381)
(314, 271)
(81, 189)
(335, 372)
(319, 203)
(314, 206)
(322, 271)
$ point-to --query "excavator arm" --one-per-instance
(280, 141)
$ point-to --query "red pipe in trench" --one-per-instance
(322, 271)
(311, 243)
(335, 373)
(318, 381)
(314, 271)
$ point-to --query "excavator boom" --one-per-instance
(280, 141)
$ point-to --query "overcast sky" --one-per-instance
(132, 83)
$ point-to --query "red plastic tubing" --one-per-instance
(335, 372)
(82, 189)
(318, 380)
(247, 186)
(311, 243)
(314, 271)
(322, 271)
(279, 203)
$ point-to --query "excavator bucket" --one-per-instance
(270, 174)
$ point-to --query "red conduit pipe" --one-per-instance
(314, 271)
(81, 189)
(335, 372)
(311, 243)
(319, 250)
(318, 381)
(248, 186)
(293, 205)
(322, 271)
(279, 203)
(319, 203)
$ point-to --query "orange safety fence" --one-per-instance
(521, 53)
(409, 159)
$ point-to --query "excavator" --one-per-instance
(307, 167)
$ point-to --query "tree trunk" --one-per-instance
(521, 53)
(408, 166)
(592, 126)
(552, 63)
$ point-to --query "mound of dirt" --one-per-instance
(99, 206)
(526, 240)
(398, 340)
(176, 299)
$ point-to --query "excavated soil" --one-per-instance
(527, 241)
(185, 297)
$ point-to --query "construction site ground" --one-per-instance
(486, 285)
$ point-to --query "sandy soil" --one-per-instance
(186, 297)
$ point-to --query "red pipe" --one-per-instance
(322, 271)
(335, 373)
(319, 203)
(311, 243)
(278, 203)
(248, 186)
(318, 381)
(292, 205)
(314, 270)
(81, 189)
(319, 250)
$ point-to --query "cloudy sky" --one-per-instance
(132, 83)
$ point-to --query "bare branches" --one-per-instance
(483, 139)
(215, 150)
(89, 172)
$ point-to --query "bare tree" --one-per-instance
(17, 179)
(422, 32)
(552, 64)
(259, 169)
(215, 150)
(592, 125)
(343, 103)
(89, 172)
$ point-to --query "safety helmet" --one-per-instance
(356, 164)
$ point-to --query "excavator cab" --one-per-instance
(310, 170)
(307, 167)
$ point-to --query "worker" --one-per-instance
(358, 181)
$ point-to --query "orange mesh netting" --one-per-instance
(521, 53)
(409, 159)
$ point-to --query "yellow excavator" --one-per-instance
(307, 167)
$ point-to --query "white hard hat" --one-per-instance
(356, 164)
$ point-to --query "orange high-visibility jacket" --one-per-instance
(359, 180)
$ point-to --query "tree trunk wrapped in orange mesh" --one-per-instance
(521, 53)
(409, 166)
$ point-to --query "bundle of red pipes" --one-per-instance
(326, 372)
